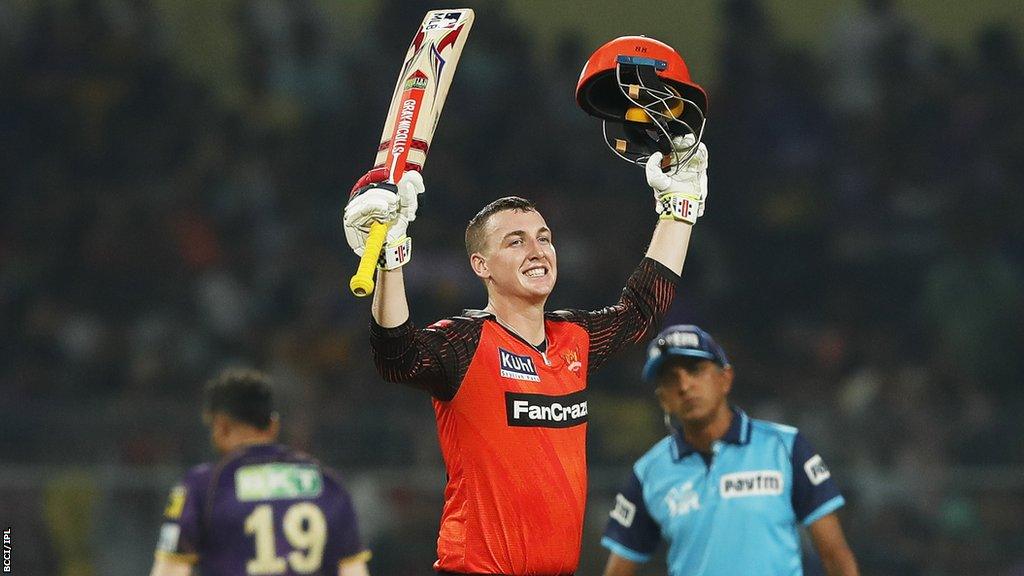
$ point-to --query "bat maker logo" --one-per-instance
(404, 124)
(443, 20)
(540, 410)
(416, 83)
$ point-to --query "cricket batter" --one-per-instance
(508, 382)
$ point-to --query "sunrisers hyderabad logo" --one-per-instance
(572, 360)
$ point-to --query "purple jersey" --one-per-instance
(263, 509)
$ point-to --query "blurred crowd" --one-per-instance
(858, 260)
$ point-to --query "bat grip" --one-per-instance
(361, 283)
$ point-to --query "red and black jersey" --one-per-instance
(512, 423)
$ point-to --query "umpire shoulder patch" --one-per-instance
(624, 511)
(816, 470)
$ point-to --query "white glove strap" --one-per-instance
(678, 207)
(396, 254)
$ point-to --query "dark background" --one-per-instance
(173, 174)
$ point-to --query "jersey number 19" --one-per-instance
(304, 527)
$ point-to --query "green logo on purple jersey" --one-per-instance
(277, 482)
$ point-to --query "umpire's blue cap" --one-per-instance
(681, 340)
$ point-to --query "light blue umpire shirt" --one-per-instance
(734, 511)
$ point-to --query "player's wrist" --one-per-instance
(678, 206)
(395, 254)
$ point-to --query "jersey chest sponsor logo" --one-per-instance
(539, 410)
(752, 483)
(517, 367)
(277, 482)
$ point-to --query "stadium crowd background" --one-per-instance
(161, 218)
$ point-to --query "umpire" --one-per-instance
(725, 490)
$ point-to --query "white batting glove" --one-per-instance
(374, 204)
(391, 204)
(681, 194)
(410, 186)
(398, 247)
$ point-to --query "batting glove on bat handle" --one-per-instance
(376, 220)
(681, 193)
(398, 246)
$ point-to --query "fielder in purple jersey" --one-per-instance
(263, 509)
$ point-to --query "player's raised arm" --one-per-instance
(679, 196)
(680, 193)
(416, 103)
(653, 114)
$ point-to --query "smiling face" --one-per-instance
(693, 390)
(517, 260)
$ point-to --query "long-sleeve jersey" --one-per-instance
(512, 423)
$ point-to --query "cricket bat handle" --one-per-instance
(361, 283)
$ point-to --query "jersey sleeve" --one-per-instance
(631, 532)
(181, 532)
(815, 494)
(645, 299)
(344, 543)
(434, 359)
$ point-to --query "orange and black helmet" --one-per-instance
(642, 89)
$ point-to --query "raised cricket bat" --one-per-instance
(412, 117)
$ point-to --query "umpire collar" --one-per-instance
(738, 434)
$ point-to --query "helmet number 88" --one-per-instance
(304, 527)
